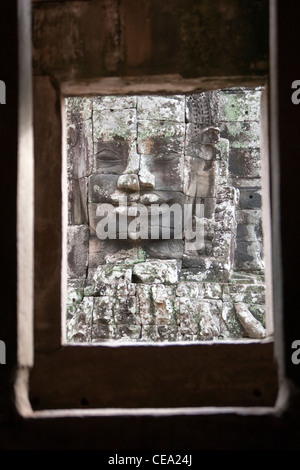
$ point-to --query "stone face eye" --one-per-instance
(108, 156)
(109, 161)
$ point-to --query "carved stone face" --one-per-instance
(146, 164)
(132, 152)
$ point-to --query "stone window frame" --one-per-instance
(44, 350)
(231, 374)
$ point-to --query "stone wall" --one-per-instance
(192, 149)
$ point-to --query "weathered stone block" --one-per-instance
(79, 136)
(203, 108)
(212, 290)
(128, 332)
(200, 142)
(250, 198)
(163, 301)
(165, 249)
(244, 182)
(103, 313)
(90, 275)
(249, 233)
(104, 332)
(101, 103)
(103, 290)
(189, 289)
(77, 250)
(145, 304)
(223, 250)
(246, 216)
(248, 256)
(166, 169)
(209, 229)
(245, 163)
(258, 311)
(199, 177)
(116, 252)
(75, 292)
(80, 149)
(247, 293)
(233, 325)
(247, 277)
(112, 124)
(146, 179)
(182, 336)
(223, 173)
(102, 187)
(209, 207)
(156, 272)
(210, 135)
(77, 201)
(159, 333)
(251, 325)
(227, 193)
(225, 215)
(194, 259)
(125, 311)
(241, 134)
(78, 108)
(162, 197)
(161, 108)
(160, 137)
(188, 315)
(213, 274)
(209, 323)
(240, 105)
(221, 150)
(109, 279)
(97, 250)
(79, 326)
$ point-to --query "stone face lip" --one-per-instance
(253, 327)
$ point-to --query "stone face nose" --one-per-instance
(128, 182)
(132, 182)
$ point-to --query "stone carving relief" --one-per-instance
(178, 151)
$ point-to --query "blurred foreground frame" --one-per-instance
(52, 378)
